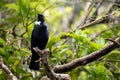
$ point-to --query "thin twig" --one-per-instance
(3, 30)
(95, 13)
(22, 17)
(27, 16)
(46, 9)
(87, 12)
(115, 42)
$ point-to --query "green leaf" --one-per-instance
(74, 73)
(1, 3)
(2, 41)
(101, 41)
(115, 52)
(95, 45)
(2, 52)
(12, 6)
(15, 65)
(53, 40)
(33, 4)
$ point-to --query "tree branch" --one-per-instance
(95, 13)
(49, 72)
(87, 12)
(87, 59)
(7, 70)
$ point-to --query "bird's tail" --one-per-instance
(33, 64)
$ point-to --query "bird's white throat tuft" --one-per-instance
(37, 22)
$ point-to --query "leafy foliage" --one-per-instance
(16, 26)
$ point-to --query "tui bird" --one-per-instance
(39, 38)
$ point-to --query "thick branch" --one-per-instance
(87, 59)
(7, 70)
(49, 72)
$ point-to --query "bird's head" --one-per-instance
(40, 17)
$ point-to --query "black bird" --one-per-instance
(39, 38)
